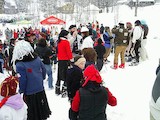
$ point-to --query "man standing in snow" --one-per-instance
(101, 29)
(87, 40)
(75, 39)
(121, 42)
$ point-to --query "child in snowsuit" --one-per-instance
(75, 76)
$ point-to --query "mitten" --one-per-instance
(73, 115)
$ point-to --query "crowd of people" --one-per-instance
(80, 53)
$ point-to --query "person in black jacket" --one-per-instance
(100, 49)
(44, 52)
(1, 57)
(101, 29)
(75, 76)
(9, 55)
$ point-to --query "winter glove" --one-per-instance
(124, 41)
(110, 37)
(81, 41)
(69, 63)
(70, 100)
(73, 115)
(69, 94)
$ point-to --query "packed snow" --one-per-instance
(132, 86)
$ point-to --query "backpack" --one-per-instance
(146, 29)
(8, 86)
(142, 33)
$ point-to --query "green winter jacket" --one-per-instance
(121, 36)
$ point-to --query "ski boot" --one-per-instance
(57, 90)
(115, 66)
(134, 64)
(64, 91)
(122, 66)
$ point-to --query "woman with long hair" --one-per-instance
(108, 40)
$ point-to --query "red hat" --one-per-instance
(129, 23)
(91, 74)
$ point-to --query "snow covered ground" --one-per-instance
(132, 86)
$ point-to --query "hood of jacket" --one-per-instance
(16, 102)
(91, 74)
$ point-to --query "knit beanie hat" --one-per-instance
(72, 26)
(79, 59)
(63, 33)
(129, 23)
(143, 22)
(138, 22)
(91, 74)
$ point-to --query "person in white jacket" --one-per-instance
(13, 107)
(136, 40)
(87, 40)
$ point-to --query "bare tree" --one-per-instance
(22, 6)
(136, 7)
(48, 6)
(1, 6)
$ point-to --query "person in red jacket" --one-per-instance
(91, 100)
(64, 55)
(15, 34)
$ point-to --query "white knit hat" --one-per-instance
(80, 60)
(22, 48)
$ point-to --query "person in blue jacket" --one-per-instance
(31, 72)
(108, 39)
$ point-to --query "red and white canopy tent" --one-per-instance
(52, 21)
